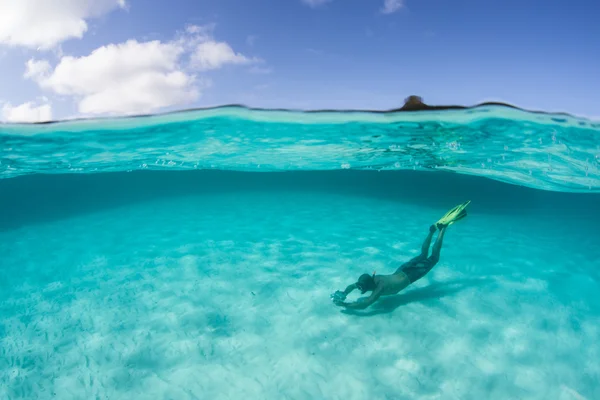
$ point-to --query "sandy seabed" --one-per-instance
(226, 296)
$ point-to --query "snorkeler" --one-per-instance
(410, 272)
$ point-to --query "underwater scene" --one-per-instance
(230, 253)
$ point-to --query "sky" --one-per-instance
(63, 59)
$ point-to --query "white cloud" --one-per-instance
(27, 112)
(207, 53)
(213, 55)
(198, 33)
(126, 78)
(137, 77)
(391, 6)
(46, 23)
(315, 3)
(36, 69)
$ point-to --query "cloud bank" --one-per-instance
(137, 77)
(45, 24)
(26, 112)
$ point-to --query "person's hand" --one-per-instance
(339, 303)
(338, 297)
(432, 228)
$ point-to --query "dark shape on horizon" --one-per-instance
(414, 103)
(411, 103)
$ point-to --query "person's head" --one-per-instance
(366, 283)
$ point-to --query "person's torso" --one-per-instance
(392, 284)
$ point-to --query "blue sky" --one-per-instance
(133, 56)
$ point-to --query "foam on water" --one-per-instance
(546, 151)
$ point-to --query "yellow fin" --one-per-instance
(454, 214)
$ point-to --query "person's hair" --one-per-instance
(367, 282)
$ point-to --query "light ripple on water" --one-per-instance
(545, 151)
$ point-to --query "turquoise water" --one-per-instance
(191, 256)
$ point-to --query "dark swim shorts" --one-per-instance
(418, 268)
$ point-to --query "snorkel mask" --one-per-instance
(366, 282)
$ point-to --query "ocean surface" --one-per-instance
(191, 256)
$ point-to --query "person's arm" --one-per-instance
(349, 289)
(363, 303)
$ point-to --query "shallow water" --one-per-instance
(215, 284)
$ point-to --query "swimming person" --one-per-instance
(410, 272)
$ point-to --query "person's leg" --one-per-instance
(420, 268)
(424, 252)
(437, 246)
(425, 246)
(427, 242)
